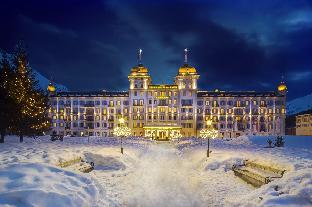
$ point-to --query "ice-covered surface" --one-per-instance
(151, 173)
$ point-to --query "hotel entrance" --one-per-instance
(162, 132)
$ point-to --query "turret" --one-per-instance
(187, 76)
(139, 77)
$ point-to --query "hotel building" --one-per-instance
(162, 110)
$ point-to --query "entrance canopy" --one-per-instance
(162, 131)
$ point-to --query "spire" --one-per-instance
(140, 56)
(282, 78)
(185, 55)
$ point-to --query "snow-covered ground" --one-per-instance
(151, 173)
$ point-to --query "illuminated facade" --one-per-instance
(162, 111)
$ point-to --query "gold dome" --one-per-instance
(139, 70)
(282, 87)
(187, 69)
(51, 88)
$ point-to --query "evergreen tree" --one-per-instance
(7, 104)
(32, 103)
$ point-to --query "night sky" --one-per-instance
(234, 45)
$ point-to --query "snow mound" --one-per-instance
(33, 184)
(294, 189)
(304, 142)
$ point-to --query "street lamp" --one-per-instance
(122, 131)
(208, 133)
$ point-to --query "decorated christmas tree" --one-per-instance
(7, 104)
(31, 118)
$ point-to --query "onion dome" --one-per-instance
(282, 88)
(187, 69)
(139, 70)
(51, 88)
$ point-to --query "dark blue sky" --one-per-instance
(235, 45)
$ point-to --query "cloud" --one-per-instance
(299, 19)
(234, 45)
(299, 76)
(48, 27)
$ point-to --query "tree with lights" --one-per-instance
(208, 133)
(31, 118)
(7, 104)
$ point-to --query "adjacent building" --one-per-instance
(160, 111)
(304, 124)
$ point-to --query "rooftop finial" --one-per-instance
(283, 78)
(140, 55)
(185, 55)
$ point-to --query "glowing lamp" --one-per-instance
(209, 122)
(121, 120)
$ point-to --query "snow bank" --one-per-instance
(304, 142)
(294, 189)
(33, 184)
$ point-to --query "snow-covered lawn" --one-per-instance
(151, 173)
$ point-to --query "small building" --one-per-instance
(304, 124)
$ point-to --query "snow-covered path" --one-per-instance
(164, 178)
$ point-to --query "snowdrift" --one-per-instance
(34, 184)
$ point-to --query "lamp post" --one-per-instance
(122, 131)
(208, 133)
(121, 122)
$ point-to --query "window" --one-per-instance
(141, 102)
(187, 102)
(135, 102)
(199, 103)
